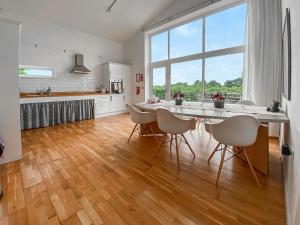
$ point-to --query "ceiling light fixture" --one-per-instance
(109, 9)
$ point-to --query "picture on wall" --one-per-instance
(137, 77)
(287, 54)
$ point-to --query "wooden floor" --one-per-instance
(87, 173)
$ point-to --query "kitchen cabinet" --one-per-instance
(102, 104)
(116, 71)
(117, 103)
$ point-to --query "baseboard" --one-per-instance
(111, 114)
(286, 196)
(10, 159)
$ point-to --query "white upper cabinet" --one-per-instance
(115, 71)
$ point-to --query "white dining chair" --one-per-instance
(175, 127)
(247, 102)
(142, 120)
(208, 125)
(237, 131)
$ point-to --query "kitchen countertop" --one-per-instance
(26, 98)
(61, 94)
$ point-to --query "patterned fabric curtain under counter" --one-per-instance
(44, 114)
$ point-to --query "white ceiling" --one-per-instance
(89, 16)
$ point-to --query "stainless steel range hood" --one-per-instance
(79, 68)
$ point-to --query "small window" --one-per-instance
(36, 72)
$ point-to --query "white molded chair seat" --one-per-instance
(246, 102)
(174, 126)
(237, 131)
(208, 124)
(169, 123)
(140, 118)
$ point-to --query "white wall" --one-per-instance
(179, 6)
(51, 41)
(134, 53)
(9, 94)
(292, 163)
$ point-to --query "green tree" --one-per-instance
(234, 83)
(214, 83)
(192, 91)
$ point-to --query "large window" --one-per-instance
(201, 57)
(223, 73)
(187, 81)
(159, 82)
(186, 39)
(159, 47)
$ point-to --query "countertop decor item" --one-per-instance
(219, 99)
(153, 99)
(178, 98)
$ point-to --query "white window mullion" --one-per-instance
(168, 82)
(203, 60)
(168, 71)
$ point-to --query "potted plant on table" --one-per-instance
(218, 99)
(178, 98)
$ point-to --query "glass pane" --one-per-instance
(226, 29)
(186, 78)
(159, 47)
(224, 74)
(186, 39)
(159, 82)
(38, 72)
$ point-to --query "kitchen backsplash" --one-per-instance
(63, 82)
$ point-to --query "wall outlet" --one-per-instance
(292, 150)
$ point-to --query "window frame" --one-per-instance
(39, 76)
(202, 56)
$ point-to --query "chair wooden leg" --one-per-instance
(177, 151)
(146, 130)
(252, 170)
(152, 131)
(221, 165)
(171, 141)
(133, 130)
(188, 144)
(213, 153)
(160, 144)
(140, 135)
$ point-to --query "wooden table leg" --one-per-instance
(153, 126)
(259, 152)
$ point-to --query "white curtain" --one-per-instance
(263, 58)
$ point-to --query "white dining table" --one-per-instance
(207, 110)
(259, 152)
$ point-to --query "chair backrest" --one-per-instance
(139, 117)
(236, 131)
(246, 102)
(169, 123)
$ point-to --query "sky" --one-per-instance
(223, 30)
